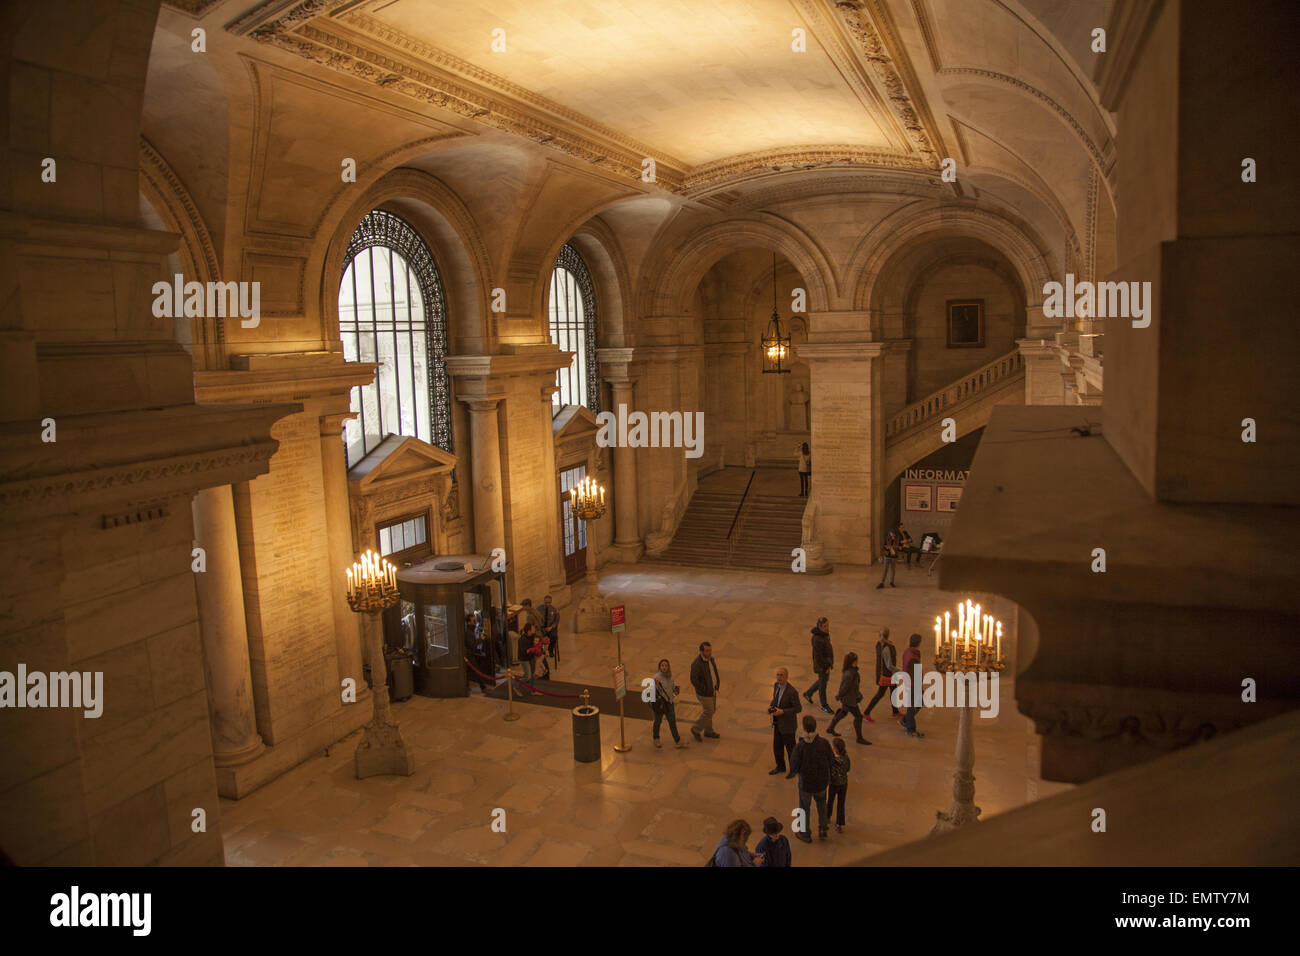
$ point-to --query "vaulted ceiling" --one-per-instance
(716, 92)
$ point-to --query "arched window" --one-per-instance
(391, 312)
(573, 329)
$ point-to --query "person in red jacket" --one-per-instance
(913, 668)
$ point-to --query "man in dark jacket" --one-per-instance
(783, 708)
(551, 628)
(812, 760)
(705, 680)
(823, 659)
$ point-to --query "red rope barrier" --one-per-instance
(480, 673)
(521, 683)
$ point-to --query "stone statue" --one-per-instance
(798, 414)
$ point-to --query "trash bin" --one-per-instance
(586, 734)
(401, 678)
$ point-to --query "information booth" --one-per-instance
(444, 601)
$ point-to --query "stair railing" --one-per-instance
(963, 389)
(731, 541)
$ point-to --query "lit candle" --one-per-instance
(349, 573)
(936, 636)
(954, 647)
(946, 628)
(999, 640)
(961, 618)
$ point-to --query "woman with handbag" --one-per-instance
(885, 668)
(664, 703)
(849, 695)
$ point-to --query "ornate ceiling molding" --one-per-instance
(733, 170)
(369, 50)
(867, 23)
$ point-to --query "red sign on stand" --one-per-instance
(617, 617)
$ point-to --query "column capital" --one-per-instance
(482, 403)
(331, 426)
(840, 351)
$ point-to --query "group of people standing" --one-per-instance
(821, 767)
(536, 633)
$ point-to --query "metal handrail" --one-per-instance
(739, 508)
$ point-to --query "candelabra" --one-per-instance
(974, 647)
(587, 499)
(372, 589)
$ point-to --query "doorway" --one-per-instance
(573, 530)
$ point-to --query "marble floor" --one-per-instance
(647, 807)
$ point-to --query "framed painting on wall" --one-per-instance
(965, 323)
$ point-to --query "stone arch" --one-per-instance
(1024, 251)
(170, 201)
(601, 251)
(997, 265)
(446, 227)
(671, 289)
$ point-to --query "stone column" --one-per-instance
(382, 749)
(224, 632)
(338, 525)
(846, 446)
(627, 533)
(1043, 385)
(556, 583)
(963, 810)
(485, 468)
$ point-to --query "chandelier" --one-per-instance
(372, 584)
(776, 347)
(587, 499)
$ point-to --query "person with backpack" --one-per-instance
(849, 694)
(773, 848)
(839, 785)
(886, 664)
(823, 659)
(812, 760)
(731, 849)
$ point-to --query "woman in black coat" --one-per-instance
(849, 696)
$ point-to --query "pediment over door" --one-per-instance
(397, 459)
(574, 431)
(401, 478)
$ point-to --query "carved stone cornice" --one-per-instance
(734, 170)
(539, 359)
(368, 49)
(101, 461)
(295, 376)
(867, 24)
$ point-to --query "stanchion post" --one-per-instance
(622, 746)
(510, 695)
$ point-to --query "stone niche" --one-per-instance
(405, 477)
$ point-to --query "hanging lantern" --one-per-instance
(775, 346)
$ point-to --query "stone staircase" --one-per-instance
(701, 538)
(767, 529)
(770, 527)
